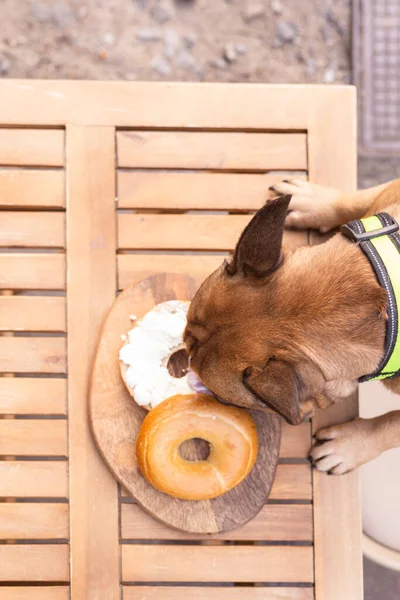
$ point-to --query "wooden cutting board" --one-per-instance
(116, 420)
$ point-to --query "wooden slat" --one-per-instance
(134, 267)
(32, 313)
(164, 104)
(32, 271)
(337, 502)
(40, 593)
(216, 151)
(183, 232)
(30, 479)
(91, 292)
(211, 593)
(31, 147)
(190, 191)
(33, 229)
(33, 188)
(32, 355)
(40, 562)
(217, 563)
(36, 396)
(295, 441)
(43, 521)
(292, 482)
(275, 522)
(37, 437)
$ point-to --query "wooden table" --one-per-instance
(102, 184)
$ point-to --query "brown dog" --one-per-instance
(294, 330)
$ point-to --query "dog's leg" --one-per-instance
(342, 448)
(323, 208)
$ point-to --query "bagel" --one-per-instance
(230, 432)
(145, 354)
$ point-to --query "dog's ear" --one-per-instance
(279, 387)
(258, 251)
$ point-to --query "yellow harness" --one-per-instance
(379, 239)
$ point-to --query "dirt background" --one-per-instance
(207, 40)
(268, 41)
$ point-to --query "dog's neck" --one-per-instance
(343, 308)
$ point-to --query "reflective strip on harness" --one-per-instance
(390, 256)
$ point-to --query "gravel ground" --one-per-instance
(220, 40)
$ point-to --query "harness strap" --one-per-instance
(379, 239)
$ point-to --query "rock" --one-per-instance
(109, 39)
(311, 67)
(63, 15)
(160, 65)
(254, 10)
(286, 32)
(219, 63)
(335, 24)
(230, 52)
(329, 75)
(190, 40)
(60, 13)
(4, 65)
(163, 11)
(40, 11)
(172, 41)
(186, 61)
(276, 7)
(241, 48)
(149, 35)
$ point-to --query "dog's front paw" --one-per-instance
(312, 205)
(342, 448)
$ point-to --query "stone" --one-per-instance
(186, 61)
(172, 41)
(219, 63)
(40, 11)
(276, 7)
(109, 39)
(311, 67)
(4, 65)
(160, 65)
(254, 10)
(335, 23)
(149, 35)
(63, 15)
(230, 52)
(241, 48)
(60, 13)
(329, 75)
(286, 32)
(190, 40)
(163, 11)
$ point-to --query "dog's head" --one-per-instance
(245, 321)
